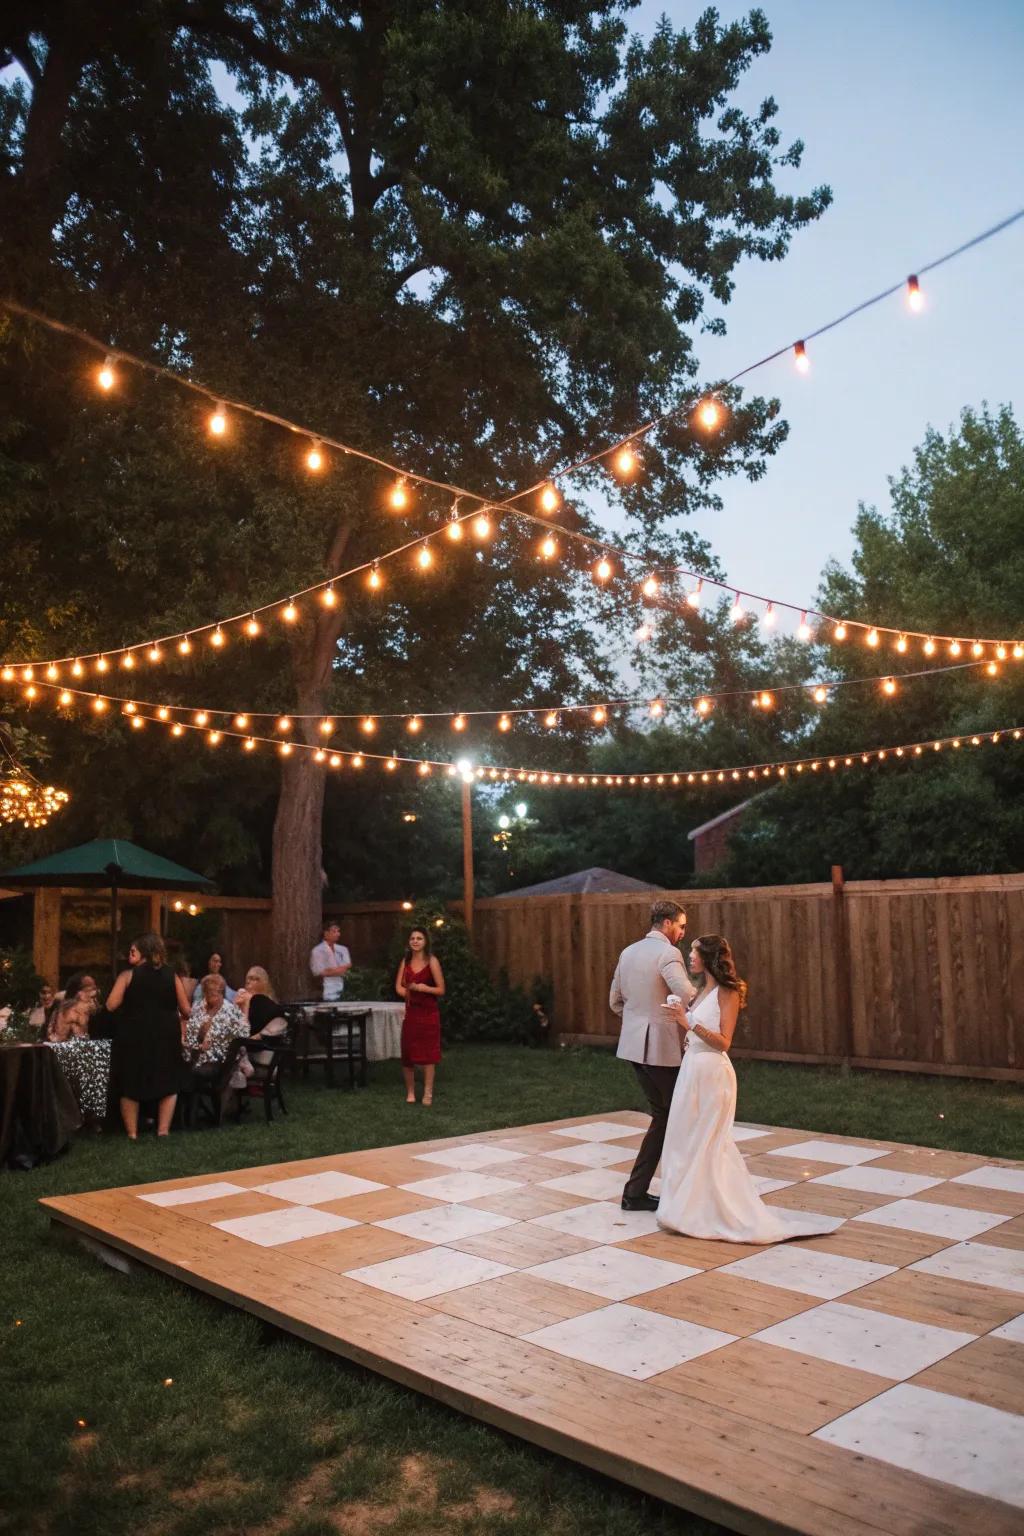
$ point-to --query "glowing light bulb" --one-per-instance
(252, 627)
(889, 685)
(392, 763)
(319, 756)
(820, 695)
(335, 760)
(954, 647)
(248, 745)
(548, 547)
(31, 691)
(52, 673)
(929, 647)
(163, 713)
(804, 632)
(217, 639)
(765, 700)
(368, 725)
(77, 669)
(504, 724)
(315, 459)
(329, 597)
(992, 669)
(137, 723)
(603, 569)
(218, 423)
(285, 749)
(770, 617)
(106, 378)
(289, 612)
(737, 612)
(1000, 652)
(839, 633)
(103, 665)
(800, 359)
(398, 496)
(326, 727)
(241, 722)
(482, 526)
(454, 527)
(643, 633)
(872, 637)
(915, 298)
(153, 654)
(65, 698)
(184, 645)
(213, 738)
(901, 644)
(693, 598)
(977, 649)
(626, 461)
(650, 587)
(599, 715)
(375, 580)
(27, 674)
(357, 760)
(657, 709)
(709, 414)
(424, 559)
(459, 723)
(99, 705)
(284, 724)
(414, 726)
(550, 498)
(202, 717)
(703, 706)
(551, 719)
(1018, 652)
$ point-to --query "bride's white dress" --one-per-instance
(706, 1190)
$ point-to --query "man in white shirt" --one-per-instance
(329, 961)
(647, 973)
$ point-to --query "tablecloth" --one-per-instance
(38, 1112)
(383, 1028)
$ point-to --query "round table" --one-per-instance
(38, 1112)
(383, 1028)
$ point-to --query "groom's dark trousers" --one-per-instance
(657, 1084)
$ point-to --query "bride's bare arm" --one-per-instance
(728, 1013)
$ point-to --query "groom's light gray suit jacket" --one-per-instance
(646, 973)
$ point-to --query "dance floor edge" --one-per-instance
(756, 1387)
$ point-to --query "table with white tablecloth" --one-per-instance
(383, 1027)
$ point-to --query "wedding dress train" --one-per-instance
(706, 1190)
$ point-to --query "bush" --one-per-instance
(473, 1007)
(370, 984)
(19, 984)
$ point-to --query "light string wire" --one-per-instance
(508, 504)
(763, 696)
(589, 779)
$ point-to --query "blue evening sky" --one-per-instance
(913, 112)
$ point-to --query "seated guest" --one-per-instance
(39, 1015)
(212, 1025)
(73, 1009)
(329, 961)
(215, 967)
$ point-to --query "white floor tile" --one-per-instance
(630, 1340)
(865, 1340)
(747, 1133)
(593, 1154)
(601, 1222)
(598, 1130)
(194, 1195)
(804, 1269)
(830, 1152)
(981, 1265)
(315, 1188)
(615, 1273)
(765, 1185)
(967, 1444)
(473, 1156)
(433, 1272)
(462, 1186)
(991, 1177)
(1013, 1330)
(445, 1223)
(950, 1221)
(593, 1183)
(877, 1181)
(275, 1227)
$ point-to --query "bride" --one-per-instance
(706, 1190)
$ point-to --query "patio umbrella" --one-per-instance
(108, 863)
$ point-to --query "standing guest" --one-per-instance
(215, 967)
(329, 961)
(147, 1051)
(420, 981)
(212, 1025)
(39, 1015)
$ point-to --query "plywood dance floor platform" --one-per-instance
(867, 1382)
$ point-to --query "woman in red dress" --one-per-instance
(420, 981)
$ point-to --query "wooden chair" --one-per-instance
(268, 1057)
(209, 1092)
(346, 1041)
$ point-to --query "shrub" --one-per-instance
(19, 984)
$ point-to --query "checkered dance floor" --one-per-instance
(867, 1382)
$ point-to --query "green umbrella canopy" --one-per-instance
(106, 862)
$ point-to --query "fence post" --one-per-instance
(843, 979)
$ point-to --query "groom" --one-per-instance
(646, 973)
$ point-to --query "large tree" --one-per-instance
(477, 240)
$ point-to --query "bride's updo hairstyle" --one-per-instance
(720, 965)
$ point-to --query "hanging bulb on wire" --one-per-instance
(650, 586)
(315, 458)
(821, 694)
(289, 612)
(801, 361)
(454, 526)
(252, 627)
(709, 414)
(329, 597)
(915, 298)
(482, 526)
(737, 612)
(804, 632)
(106, 378)
(693, 597)
(872, 638)
(603, 569)
(218, 422)
(548, 547)
(599, 715)
(375, 580)
(425, 558)
(550, 498)
(703, 706)
(398, 496)
(769, 617)
(889, 686)
(626, 461)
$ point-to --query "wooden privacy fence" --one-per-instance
(910, 975)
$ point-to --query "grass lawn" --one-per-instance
(266, 1436)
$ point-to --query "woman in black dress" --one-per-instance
(147, 1051)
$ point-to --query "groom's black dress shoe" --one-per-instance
(639, 1202)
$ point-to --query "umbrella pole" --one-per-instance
(113, 930)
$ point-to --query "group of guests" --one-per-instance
(171, 1033)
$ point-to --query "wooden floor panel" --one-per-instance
(603, 1355)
